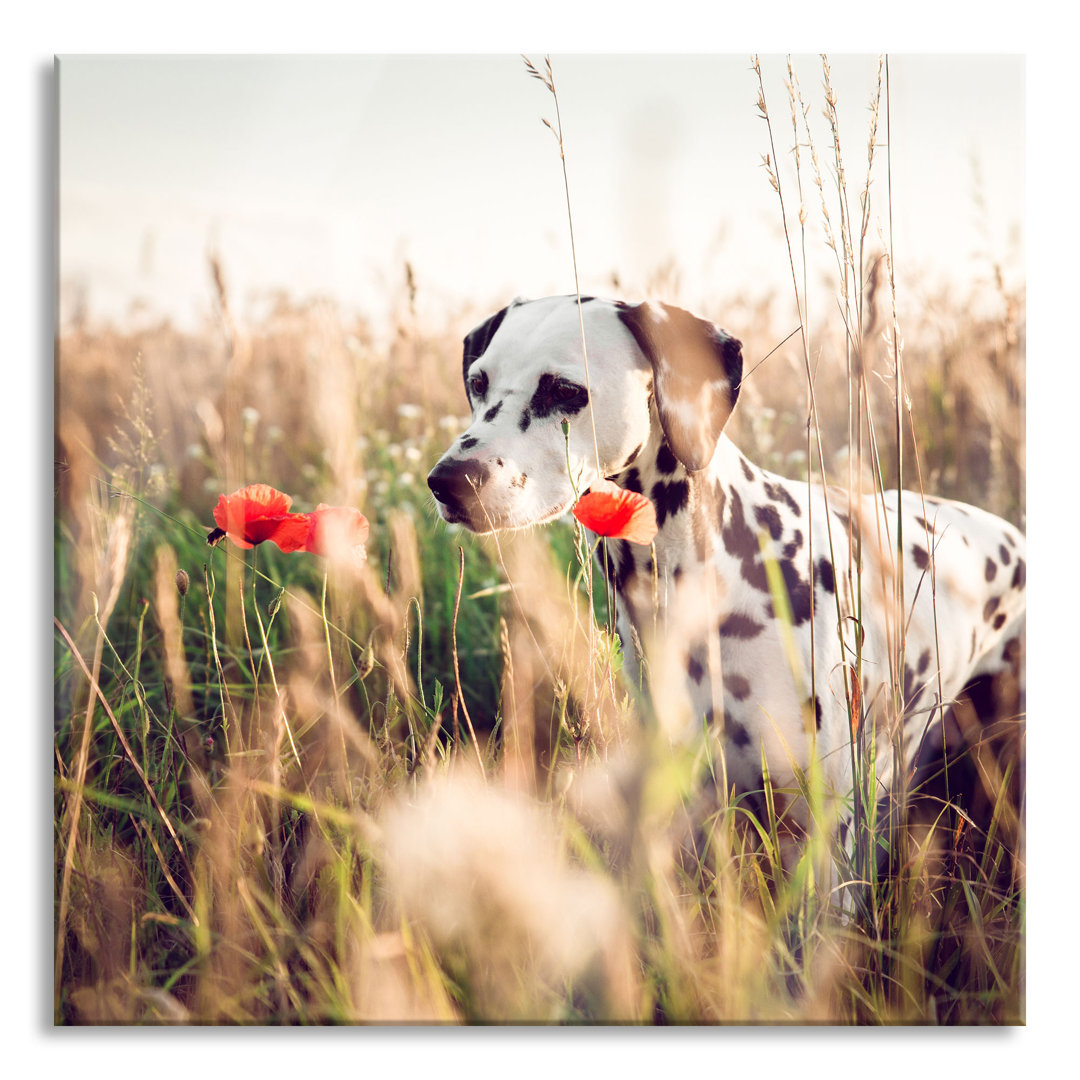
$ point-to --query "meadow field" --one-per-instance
(293, 790)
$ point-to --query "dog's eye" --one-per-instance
(566, 391)
(478, 385)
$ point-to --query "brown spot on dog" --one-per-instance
(769, 519)
(737, 686)
(736, 732)
(1019, 574)
(823, 575)
(695, 669)
(780, 494)
(740, 626)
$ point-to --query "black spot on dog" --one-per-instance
(492, 412)
(747, 471)
(669, 497)
(924, 661)
(1006, 558)
(618, 565)
(469, 442)
(926, 526)
(737, 733)
(817, 712)
(922, 560)
(1010, 541)
(991, 570)
(791, 548)
(798, 590)
(666, 461)
(780, 494)
(999, 620)
(1019, 574)
(555, 396)
(737, 686)
(990, 607)
(768, 518)
(824, 575)
(526, 419)
(695, 669)
(519, 481)
(499, 461)
(632, 482)
(742, 542)
(740, 626)
(1011, 651)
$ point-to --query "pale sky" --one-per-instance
(322, 174)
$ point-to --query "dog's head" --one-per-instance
(525, 374)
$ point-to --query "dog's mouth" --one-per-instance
(467, 493)
(480, 520)
(459, 487)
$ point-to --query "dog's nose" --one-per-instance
(455, 483)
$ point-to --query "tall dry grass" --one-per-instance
(295, 792)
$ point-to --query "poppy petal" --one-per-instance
(609, 510)
(258, 513)
(291, 532)
(252, 514)
(336, 529)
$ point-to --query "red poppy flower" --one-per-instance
(336, 529)
(609, 510)
(259, 513)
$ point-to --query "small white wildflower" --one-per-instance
(449, 423)
(394, 450)
(250, 415)
(408, 411)
(406, 479)
(274, 433)
(412, 454)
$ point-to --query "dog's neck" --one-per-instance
(691, 511)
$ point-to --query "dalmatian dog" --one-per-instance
(755, 589)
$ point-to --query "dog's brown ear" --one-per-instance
(697, 368)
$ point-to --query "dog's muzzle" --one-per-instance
(455, 484)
